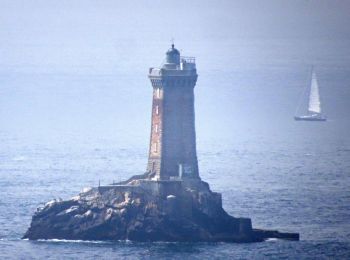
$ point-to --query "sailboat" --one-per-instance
(314, 109)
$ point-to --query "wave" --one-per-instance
(19, 158)
(54, 240)
(272, 240)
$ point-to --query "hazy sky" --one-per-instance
(37, 20)
(41, 42)
(85, 24)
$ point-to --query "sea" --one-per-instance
(75, 110)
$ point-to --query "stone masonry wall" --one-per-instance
(178, 140)
(155, 147)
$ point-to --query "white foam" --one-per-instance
(54, 240)
(272, 240)
(19, 158)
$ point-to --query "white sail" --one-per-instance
(314, 99)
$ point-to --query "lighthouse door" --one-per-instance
(180, 167)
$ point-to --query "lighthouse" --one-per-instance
(169, 202)
(172, 149)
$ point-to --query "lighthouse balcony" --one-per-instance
(188, 69)
(185, 64)
(165, 72)
(191, 60)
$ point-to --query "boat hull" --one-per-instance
(310, 118)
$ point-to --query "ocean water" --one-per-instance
(75, 109)
(62, 132)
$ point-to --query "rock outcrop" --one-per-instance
(145, 210)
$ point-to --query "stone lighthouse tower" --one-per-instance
(172, 151)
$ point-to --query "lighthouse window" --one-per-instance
(157, 110)
(156, 128)
(158, 92)
(155, 147)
